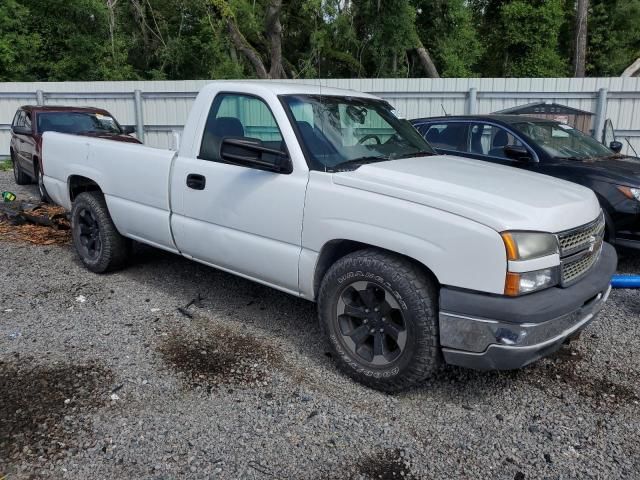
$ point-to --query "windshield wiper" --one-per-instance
(419, 153)
(360, 161)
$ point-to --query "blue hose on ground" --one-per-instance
(625, 281)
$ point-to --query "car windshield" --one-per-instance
(562, 141)
(77, 122)
(345, 132)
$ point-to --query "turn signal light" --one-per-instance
(512, 284)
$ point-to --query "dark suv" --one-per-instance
(30, 122)
(551, 148)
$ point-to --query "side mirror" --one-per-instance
(517, 152)
(128, 129)
(21, 130)
(251, 153)
(616, 146)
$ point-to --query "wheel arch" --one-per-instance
(78, 184)
(335, 249)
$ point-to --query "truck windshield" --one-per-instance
(562, 141)
(345, 132)
(77, 122)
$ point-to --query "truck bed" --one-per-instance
(140, 209)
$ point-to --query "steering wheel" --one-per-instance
(368, 137)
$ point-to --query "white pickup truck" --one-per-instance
(414, 258)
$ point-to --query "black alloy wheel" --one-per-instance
(371, 323)
(89, 236)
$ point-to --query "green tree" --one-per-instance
(522, 38)
(18, 44)
(74, 41)
(447, 29)
(614, 36)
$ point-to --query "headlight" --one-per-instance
(527, 282)
(523, 246)
(529, 245)
(630, 192)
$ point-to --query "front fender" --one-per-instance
(460, 252)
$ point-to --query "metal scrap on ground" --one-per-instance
(36, 223)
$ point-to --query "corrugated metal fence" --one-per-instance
(160, 108)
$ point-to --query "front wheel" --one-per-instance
(380, 313)
(95, 238)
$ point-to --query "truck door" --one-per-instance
(238, 218)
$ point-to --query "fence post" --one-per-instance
(601, 114)
(472, 101)
(137, 99)
(39, 97)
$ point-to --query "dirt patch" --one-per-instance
(40, 224)
(42, 408)
(220, 356)
(564, 367)
(386, 465)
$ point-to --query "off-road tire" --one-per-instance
(114, 248)
(19, 176)
(417, 296)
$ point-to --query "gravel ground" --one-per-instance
(103, 377)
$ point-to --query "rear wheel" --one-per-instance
(379, 311)
(95, 238)
(20, 177)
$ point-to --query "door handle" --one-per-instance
(195, 181)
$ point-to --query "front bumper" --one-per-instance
(488, 332)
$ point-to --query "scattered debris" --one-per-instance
(36, 223)
(185, 310)
(8, 196)
(81, 299)
(114, 397)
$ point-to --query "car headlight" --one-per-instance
(630, 192)
(527, 282)
(523, 246)
(529, 245)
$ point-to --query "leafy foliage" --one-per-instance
(190, 39)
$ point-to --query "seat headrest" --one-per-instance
(227, 127)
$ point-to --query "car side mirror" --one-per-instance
(616, 146)
(128, 129)
(251, 153)
(517, 152)
(21, 130)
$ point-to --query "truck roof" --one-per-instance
(285, 88)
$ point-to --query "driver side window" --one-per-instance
(241, 117)
(490, 140)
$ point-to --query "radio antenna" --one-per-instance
(445, 112)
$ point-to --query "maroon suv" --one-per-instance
(30, 122)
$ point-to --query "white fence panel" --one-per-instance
(164, 105)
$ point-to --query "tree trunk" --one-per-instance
(273, 31)
(111, 5)
(426, 62)
(246, 49)
(580, 52)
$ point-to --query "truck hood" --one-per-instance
(501, 197)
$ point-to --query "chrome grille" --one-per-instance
(579, 238)
(580, 249)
